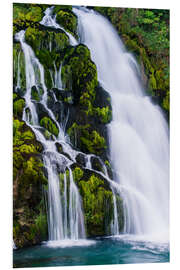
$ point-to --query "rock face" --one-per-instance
(97, 201)
(29, 185)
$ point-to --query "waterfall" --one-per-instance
(138, 133)
(64, 221)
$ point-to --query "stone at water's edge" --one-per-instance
(97, 200)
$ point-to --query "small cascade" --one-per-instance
(75, 217)
(49, 20)
(18, 72)
(64, 221)
(57, 77)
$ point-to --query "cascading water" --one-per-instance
(64, 222)
(138, 132)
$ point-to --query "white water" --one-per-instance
(138, 133)
(63, 222)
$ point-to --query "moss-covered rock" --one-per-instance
(97, 205)
(79, 74)
(25, 15)
(29, 215)
(48, 45)
(50, 125)
(88, 140)
(97, 199)
(104, 114)
(35, 94)
(18, 106)
(67, 19)
(46, 42)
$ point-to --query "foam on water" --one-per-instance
(69, 243)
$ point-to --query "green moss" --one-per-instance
(34, 94)
(49, 124)
(86, 103)
(104, 114)
(77, 174)
(25, 15)
(94, 143)
(67, 20)
(79, 74)
(97, 204)
(57, 8)
(40, 41)
(28, 12)
(34, 37)
(152, 82)
(28, 182)
(41, 226)
(89, 140)
(18, 107)
(166, 102)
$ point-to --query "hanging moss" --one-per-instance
(50, 125)
(18, 107)
(89, 140)
(30, 221)
(97, 205)
(80, 74)
(47, 44)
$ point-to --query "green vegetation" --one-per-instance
(18, 106)
(25, 15)
(98, 205)
(68, 20)
(28, 179)
(90, 141)
(79, 74)
(77, 174)
(50, 125)
(105, 114)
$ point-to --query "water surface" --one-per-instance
(100, 251)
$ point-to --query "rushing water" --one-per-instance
(138, 133)
(139, 155)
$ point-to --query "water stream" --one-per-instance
(138, 132)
